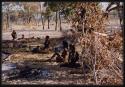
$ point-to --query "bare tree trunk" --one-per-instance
(48, 22)
(7, 21)
(16, 18)
(42, 21)
(38, 20)
(27, 19)
(28, 15)
(35, 20)
(41, 16)
(56, 22)
(94, 66)
(60, 22)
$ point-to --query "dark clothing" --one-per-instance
(60, 58)
(83, 11)
(46, 44)
(65, 44)
(22, 37)
(25, 72)
(14, 35)
(70, 65)
(36, 50)
(73, 57)
(57, 49)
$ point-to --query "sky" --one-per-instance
(104, 5)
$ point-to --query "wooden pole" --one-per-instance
(94, 66)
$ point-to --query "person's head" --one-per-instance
(22, 35)
(47, 37)
(13, 30)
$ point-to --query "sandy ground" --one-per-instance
(31, 33)
(37, 31)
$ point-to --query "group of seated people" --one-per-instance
(65, 54)
(68, 55)
(14, 36)
(34, 50)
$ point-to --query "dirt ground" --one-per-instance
(61, 75)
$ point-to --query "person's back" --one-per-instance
(73, 58)
(73, 55)
(47, 43)
(65, 44)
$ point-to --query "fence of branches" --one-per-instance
(101, 52)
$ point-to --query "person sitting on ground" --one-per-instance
(22, 36)
(59, 58)
(22, 41)
(36, 50)
(14, 35)
(72, 58)
(46, 43)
